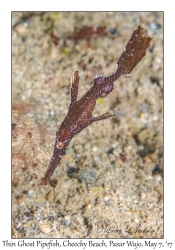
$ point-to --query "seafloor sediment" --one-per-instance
(111, 177)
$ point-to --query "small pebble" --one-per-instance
(21, 29)
(45, 228)
(95, 149)
(149, 178)
(137, 220)
(148, 159)
(153, 26)
(88, 176)
(107, 199)
(67, 220)
(158, 178)
(30, 192)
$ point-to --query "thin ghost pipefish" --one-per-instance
(79, 115)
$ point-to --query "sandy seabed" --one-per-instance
(110, 181)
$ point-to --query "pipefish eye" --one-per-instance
(60, 145)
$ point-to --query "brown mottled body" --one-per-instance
(80, 112)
